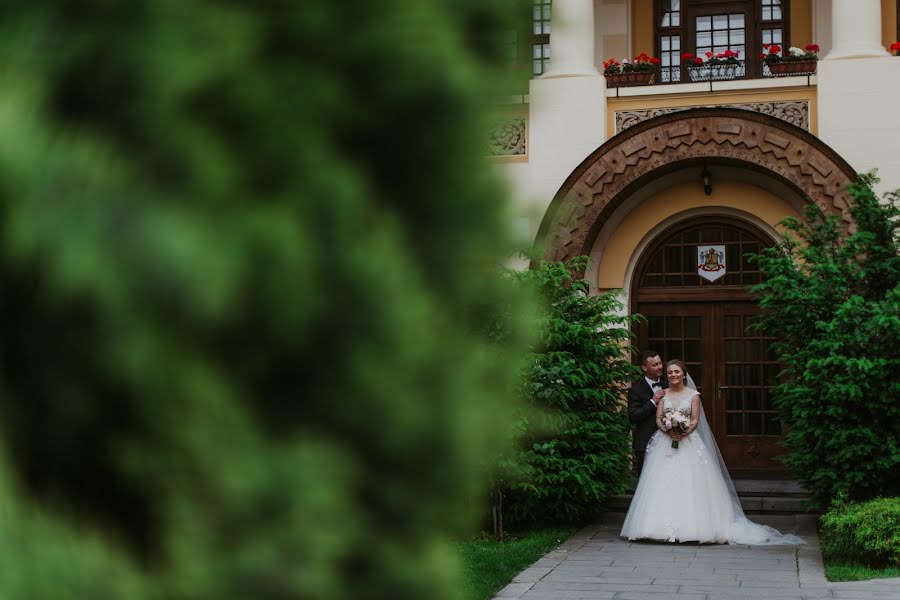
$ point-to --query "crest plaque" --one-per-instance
(710, 262)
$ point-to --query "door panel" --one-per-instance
(734, 369)
(747, 371)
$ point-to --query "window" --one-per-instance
(772, 27)
(669, 36)
(701, 26)
(540, 43)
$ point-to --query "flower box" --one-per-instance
(629, 79)
(793, 67)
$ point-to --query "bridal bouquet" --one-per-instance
(678, 421)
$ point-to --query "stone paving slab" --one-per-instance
(597, 564)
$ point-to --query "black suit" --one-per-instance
(642, 414)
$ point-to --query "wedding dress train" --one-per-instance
(685, 493)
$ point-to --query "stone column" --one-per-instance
(572, 39)
(855, 29)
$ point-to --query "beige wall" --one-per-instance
(801, 23)
(641, 27)
(729, 197)
(889, 33)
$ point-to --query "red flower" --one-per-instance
(708, 54)
(766, 46)
(812, 48)
(698, 60)
(687, 56)
(762, 55)
(895, 46)
(773, 49)
(654, 61)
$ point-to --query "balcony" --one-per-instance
(791, 97)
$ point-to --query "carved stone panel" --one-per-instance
(794, 112)
(507, 137)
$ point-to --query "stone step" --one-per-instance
(757, 496)
(761, 487)
(750, 504)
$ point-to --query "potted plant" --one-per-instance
(796, 61)
(722, 65)
(639, 71)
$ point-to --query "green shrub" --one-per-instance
(241, 247)
(833, 302)
(575, 441)
(864, 532)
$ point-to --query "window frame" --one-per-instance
(752, 9)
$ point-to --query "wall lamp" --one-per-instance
(706, 179)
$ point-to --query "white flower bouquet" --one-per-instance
(678, 421)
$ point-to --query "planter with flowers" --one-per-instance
(796, 61)
(639, 71)
(723, 65)
(895, 48)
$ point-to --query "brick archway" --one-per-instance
(670, 142)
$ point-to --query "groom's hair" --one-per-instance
(647, 355)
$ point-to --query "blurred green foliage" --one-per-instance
(244, 248)
(833, 302)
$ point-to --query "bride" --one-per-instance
(701, 504)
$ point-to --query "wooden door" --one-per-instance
(734, 369)
(709, 325)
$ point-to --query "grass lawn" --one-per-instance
(847, 571)
(488, 565)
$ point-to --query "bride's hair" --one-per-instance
(678, 362)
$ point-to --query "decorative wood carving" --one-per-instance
(794, 112)
(737, 137)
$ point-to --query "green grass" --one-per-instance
(846, 571)
(488, 565)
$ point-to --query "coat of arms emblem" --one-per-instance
(710, 262)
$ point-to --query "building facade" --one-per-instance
(669, 186)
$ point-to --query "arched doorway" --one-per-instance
(709, 325)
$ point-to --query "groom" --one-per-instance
(642, 399)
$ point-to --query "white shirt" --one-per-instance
(651, 383)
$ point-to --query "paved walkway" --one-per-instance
(596, 563)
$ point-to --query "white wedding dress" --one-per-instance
(685, 494)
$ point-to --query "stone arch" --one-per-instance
(726, 136)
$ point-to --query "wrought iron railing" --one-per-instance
(724, 72)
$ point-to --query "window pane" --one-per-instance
(766, 13)
(676, 4)
(737, 38)
(676, 19)
(776, 13)
(754, 424)
(665, 43)
(704, 40)
(536, 51)
(734, 425)
(720, 22)
(537, 28)
(666, 21)
(720, 38)
(547, 12)
(704, 23)
(736, 21)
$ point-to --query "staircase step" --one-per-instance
(757, 496)
(750, 504)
